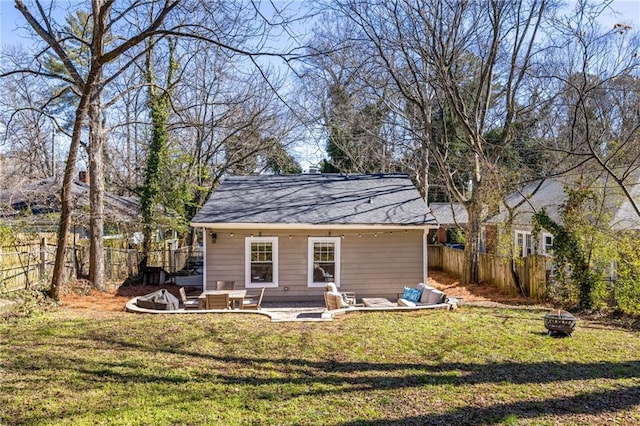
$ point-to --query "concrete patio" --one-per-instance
(286, 312)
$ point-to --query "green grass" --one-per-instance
(471, 366)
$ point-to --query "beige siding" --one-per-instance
(371, 265)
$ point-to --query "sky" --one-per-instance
(11, 20)
(12, 31)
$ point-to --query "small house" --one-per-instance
(451, 219)
(291, 234)
(34, 206)
(614, 211)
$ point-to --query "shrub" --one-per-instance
(627, 286)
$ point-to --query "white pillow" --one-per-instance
(338, 298)
(436, 296)
(424, 298)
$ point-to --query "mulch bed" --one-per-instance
(80, 295)
(76, 295)
(474, 292)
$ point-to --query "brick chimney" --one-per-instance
(83, 176)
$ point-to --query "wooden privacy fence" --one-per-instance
(24, 266)
(434, 256)
(531, 272)
(495, 270)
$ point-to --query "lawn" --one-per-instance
(471, 366)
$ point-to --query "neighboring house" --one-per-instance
(34, 206)
(293, 233)
(449, 216)
(550, 195)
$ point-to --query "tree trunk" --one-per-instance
(96, 193)
(472, 243)
(90, 90)
(66, 208)
(475, 207)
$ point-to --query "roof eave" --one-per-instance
(329, 226)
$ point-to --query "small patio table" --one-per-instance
(378, 302)
(235, 297)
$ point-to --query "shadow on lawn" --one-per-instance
(437, 373)
(365, 376)
(359, 377)
(608, 401)
(345, 375)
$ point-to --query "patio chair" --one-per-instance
(217, 301)
(253, 301)
(225, 285)
(349, 297)
(188, 302)
(334, 300)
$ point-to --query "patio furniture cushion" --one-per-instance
(340, 301)
(426, 292)
(411, 294)
(433, 297)
(349, 297)
(334, 300)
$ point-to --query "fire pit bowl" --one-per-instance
(560, 322)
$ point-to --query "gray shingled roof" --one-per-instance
(35, 201)
(449, 214)
(316, 199)
(550, 194)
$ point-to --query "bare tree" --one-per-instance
(348, 98)
(87, 80)
(596, 73)
(226, 116)
(461, 69)
(29, 119)
(102, 47)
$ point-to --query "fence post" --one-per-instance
(43, 259)
(109, 259)
(130, 262)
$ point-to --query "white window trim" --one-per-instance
(543, 244)
(311, 241)
(523, 249)
(247, 262)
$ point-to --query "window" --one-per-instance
(547, 243)
(324, 261)
(528, 245)
(524, 244)
(261, 262)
